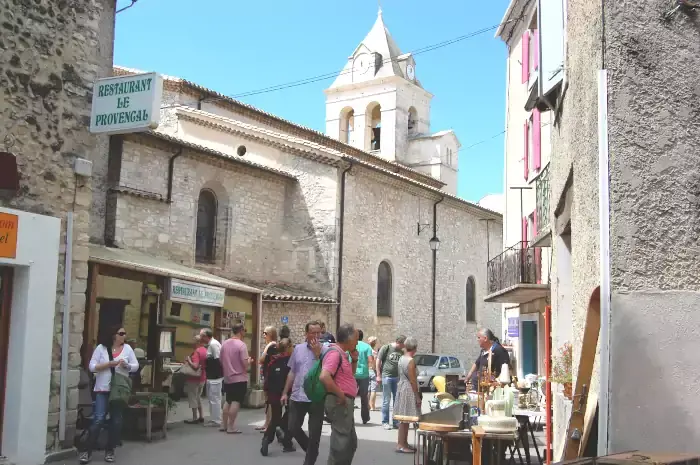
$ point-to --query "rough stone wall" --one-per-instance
(654, 102)
(381, 222)
(298, 313)
(310, 209)
(253, 243)
(50, 54)
(575, 148)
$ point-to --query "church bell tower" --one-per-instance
(377, 103)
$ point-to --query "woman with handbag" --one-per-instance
(194, 369)
(111, 362)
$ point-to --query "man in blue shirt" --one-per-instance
(364, 351)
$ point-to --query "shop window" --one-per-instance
(206, 318)
(175, 309)
(384, 289)
(206, 226)
(471, 300)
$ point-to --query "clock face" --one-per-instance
(410, 72)
(361, 64)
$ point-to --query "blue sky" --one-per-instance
(235, 47)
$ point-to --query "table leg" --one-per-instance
(149, 410)
(523, 439)
(165, 423)
(476, 449)
(534, 441)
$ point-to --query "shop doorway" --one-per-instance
(5, 305)
(529, 341)
(111, 314)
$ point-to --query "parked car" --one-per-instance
(432, 365)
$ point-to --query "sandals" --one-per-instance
(235, 431)
(260, 428)
(402, 450)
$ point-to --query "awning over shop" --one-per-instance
(138, 261)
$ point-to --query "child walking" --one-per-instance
(276, 371)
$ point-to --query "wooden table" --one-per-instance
(478, 436)
(149, 396)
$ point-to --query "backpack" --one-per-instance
(313, 387)
(276, 374)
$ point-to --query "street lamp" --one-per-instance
(434, 243)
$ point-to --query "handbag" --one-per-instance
(188, 371)
(119, 386)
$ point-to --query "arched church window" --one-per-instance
(471, 300)
(374, 123)
(206, 226)
(412, 120)
(347, 126)
(384, 289)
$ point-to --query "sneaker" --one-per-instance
(84, 458)
(386, 426)
(109, 456)
(289, 448)
(212, 423)
(264, 447)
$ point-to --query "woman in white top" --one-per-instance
(122, 361)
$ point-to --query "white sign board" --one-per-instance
(126, 104)
(194, 293)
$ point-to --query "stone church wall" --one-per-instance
(310, 209)
(298, 313)
(251, 206)
(50, 54)
(381, 224)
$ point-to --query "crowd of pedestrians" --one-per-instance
(343, 366)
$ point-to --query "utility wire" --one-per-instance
(133, 2)
(322, 77)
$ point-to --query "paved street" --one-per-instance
(207, 446)
(187, 444)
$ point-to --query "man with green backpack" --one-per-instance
(305, 357)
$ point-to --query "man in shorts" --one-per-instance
(235, 363)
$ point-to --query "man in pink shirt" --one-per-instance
(338, 377)
(235, 363)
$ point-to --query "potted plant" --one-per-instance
(135, 414)
(562, 369)
(255, 397)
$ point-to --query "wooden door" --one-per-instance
(5, 305)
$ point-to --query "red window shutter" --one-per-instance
(536, 50)
(525, 61)
(526, 152)
(536, 139)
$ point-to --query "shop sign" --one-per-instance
(194, 293)
(8, 235)
(513, 327)
(126, 104)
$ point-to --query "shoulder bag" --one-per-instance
(120, 385)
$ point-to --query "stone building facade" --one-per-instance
(50, 55)
(624, 235)
(286, 196)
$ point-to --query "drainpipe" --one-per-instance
(171, 170)
(434, 271)
(65, 330)
(604, 209)
(341, 235)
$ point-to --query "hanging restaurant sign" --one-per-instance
(195, 293)
(124, 104)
